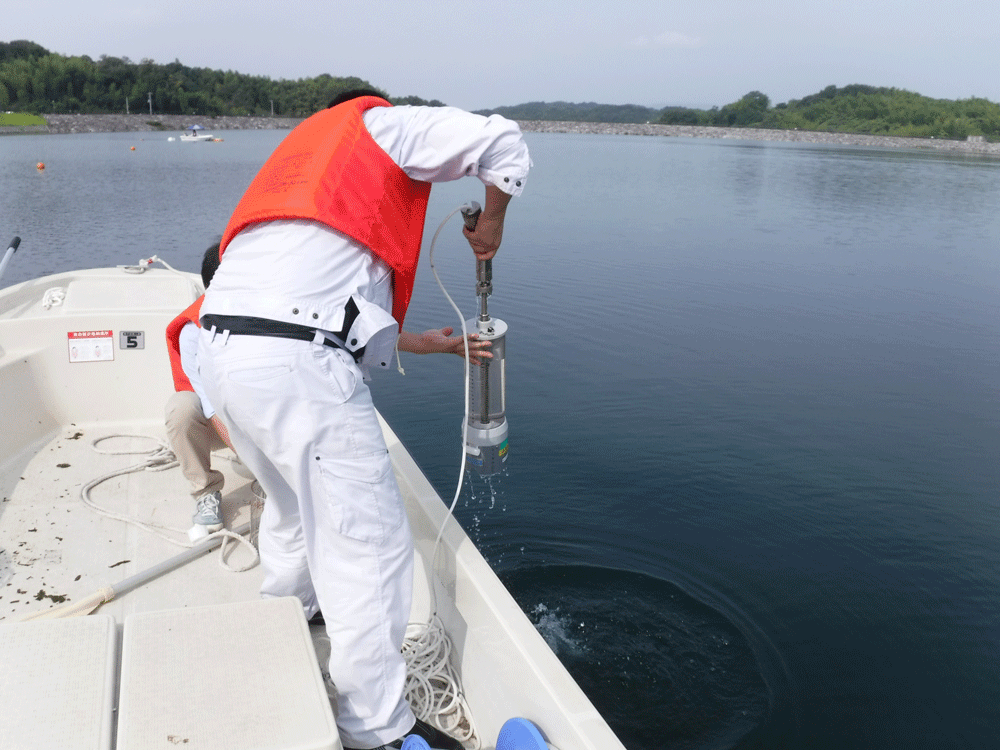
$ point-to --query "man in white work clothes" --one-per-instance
(317, 270)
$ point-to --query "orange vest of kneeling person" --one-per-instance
(190, 315)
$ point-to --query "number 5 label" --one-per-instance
(131, 340)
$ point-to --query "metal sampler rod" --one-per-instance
(486, 447)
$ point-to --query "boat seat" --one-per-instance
(228, 676)
(57, 684)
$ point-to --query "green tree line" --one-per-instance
(850, 109)
(854, 109)
(34, 80)
(577, 112)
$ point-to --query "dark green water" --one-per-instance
(751, 499)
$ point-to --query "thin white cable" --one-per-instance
(465, 418)
(433, 686)
(158, 259)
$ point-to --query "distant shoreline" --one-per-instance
(758, 134)
(141, 123)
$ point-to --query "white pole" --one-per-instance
(9, 254)
(88, 604)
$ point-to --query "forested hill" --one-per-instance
(855, 109)
(850, 109)
(34, 80)
(570, 112)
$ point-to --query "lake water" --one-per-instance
(752, 494)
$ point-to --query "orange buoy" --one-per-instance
(133, 148)
(40, 166)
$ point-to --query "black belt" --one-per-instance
(240, 325)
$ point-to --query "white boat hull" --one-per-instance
(54, 549)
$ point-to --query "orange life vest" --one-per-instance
(191, 315)
(330, 170)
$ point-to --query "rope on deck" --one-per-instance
(159, 458)
(433, 687)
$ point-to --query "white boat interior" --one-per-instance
(189, 655)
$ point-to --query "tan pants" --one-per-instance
(192, 439)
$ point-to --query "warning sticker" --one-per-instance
(91, 346)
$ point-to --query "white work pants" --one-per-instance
(334, 531)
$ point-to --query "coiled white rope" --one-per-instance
(159, 458)
(53, 297)
(433, 687)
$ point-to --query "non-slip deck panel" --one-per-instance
(226, 677)
(57, 684)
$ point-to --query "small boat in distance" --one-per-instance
(193, 136)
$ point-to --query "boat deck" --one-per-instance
(55, 549)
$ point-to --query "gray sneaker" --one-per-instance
(208, 513)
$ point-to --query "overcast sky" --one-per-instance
(478, 55)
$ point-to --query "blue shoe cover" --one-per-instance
(415, 742)
(520, 734)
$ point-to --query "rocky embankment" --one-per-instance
(178, 123)
(757, 134)
(156, 123)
